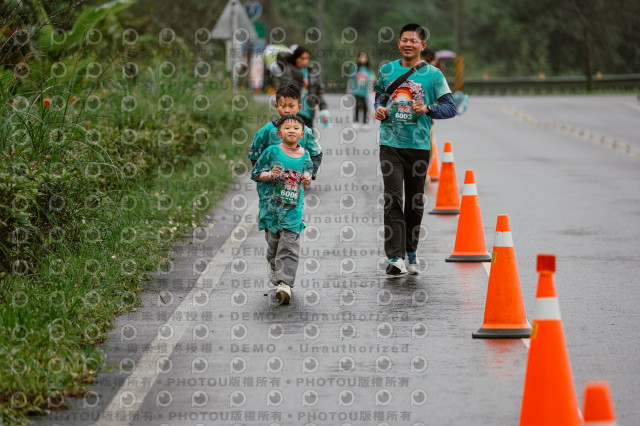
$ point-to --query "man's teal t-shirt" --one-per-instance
(403, 128)
(268, 135)
(281, 200)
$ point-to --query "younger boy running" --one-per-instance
(281, 172)
(287, 102)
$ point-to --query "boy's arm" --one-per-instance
(308, 166)
(257, 145)
(319, 92)
(312, 146)
(315, 162)
(261, 167)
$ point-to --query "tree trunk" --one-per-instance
(588, 58)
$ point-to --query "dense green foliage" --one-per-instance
(109, 151)
(499, 38)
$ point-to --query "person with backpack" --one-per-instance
(295, 70)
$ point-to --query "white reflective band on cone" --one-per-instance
(447, 157)
(469, 189)
(503, 239)
(546, 308)
(600, 424)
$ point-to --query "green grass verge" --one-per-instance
(84, 221)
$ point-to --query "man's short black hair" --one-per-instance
(288, 117)
(418, 29)
(289, 91)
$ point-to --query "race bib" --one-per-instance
(286, 192)
(402, 114)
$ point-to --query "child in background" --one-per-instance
(430, 57)
(287, 102)
(360, 86)
(282, 171)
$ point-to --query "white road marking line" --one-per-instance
(487, 269)
(146, 367)
(574, 131)
(634, 106)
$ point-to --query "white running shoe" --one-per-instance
(283, 294)
(396, 267)
(356, 126)
(272, 274)
(365, 127)
(412, 265)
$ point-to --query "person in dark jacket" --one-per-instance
(298, 73)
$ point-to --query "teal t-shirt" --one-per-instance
(268, 136)
(362, 81)
(281, 200)
(403, 128)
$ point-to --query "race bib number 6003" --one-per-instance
(402, 113)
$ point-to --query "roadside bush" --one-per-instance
(92, 193)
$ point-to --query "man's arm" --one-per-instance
(381, 100)
(446, 108)
(380, 87)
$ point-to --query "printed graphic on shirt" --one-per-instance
(361, 78)
(286, 191)
(400, 111)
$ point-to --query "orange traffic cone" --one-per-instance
(470, 245)
(448, 196)
(504, 315)
(549, 397)
(434, 169)
(598, 404)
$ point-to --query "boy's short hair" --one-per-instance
(418, 29)
(288, 91)
(428, 54)
(288, 117)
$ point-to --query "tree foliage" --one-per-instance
(500, 38)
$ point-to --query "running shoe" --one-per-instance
(412, 266)
(396, 267)
(283, 293)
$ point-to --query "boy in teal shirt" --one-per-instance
(287, 102)
(282, 172)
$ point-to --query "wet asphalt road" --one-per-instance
(210, 346)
